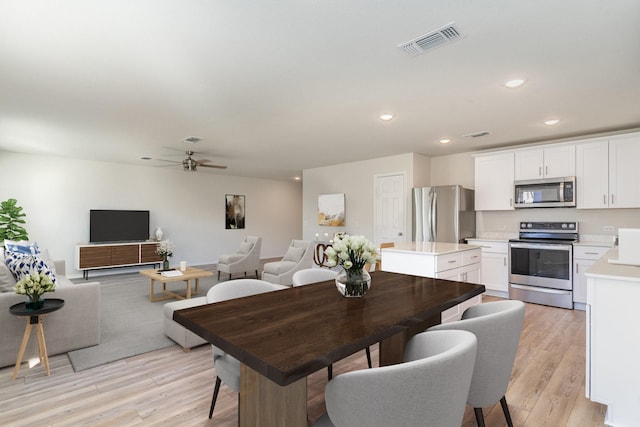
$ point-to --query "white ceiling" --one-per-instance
(275, 87)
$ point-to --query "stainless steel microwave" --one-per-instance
(545, 193)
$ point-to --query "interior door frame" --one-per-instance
(407, 206)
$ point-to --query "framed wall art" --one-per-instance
(331, 209)
(234, 211)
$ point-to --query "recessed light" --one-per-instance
(552, 122)
(512, 84)
(386, 117)
(297, 178)
(445, 141)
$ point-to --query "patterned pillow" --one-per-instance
(22, 247)
(23, 264)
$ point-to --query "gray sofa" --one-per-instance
(76, 325)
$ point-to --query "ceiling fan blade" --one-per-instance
(169, 161)
(211, 166)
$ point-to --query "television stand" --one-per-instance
(94, 256)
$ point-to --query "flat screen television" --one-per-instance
(118, 225)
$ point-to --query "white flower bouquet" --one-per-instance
(164, 249)
(34, 285)
(351, 252)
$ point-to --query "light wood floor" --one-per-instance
(171, 387)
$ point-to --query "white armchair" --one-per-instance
(246, 259)
(299, 256)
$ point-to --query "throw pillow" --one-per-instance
(23, 264)
(21, 247)
(7, 281)
(50, 263)
(245, 247)
(293, 254)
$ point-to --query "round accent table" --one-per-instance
(34, 317)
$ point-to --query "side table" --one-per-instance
(34, 317)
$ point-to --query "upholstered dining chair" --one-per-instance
(227, 367)
(497, 325)
(247, 258)
(315, 275)
(429, 389)
(378, 265)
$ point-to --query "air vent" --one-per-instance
(477, 134)
(192, 139)
(431, 40)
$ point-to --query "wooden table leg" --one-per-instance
(151, 290)
(42, 346)
(188, 294)
(265, 403)
(23, 346)
(197, 285)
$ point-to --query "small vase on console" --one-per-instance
(158, 234)
(165, 263)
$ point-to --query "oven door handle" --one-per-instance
(538, 289)
(540, 246)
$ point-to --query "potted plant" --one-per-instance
(11, 218)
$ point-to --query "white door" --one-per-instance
(390, 208)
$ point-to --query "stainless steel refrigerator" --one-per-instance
(443, 214)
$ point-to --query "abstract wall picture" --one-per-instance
(331, 209)
(234, 211)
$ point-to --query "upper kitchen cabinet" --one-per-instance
(545, 162)
(607, 172)
(494, 175)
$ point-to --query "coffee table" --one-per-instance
(189, 274)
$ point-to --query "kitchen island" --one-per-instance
(451, 261)
(612, 341)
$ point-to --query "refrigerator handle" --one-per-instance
(432, 213)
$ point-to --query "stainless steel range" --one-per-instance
(540, 263)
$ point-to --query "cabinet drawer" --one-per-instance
(94, 256)
(471, 257)
(148, 253)
(125, 254)
(589, 252)
(495, 247)
(448, 261)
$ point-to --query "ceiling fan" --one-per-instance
(191, 164)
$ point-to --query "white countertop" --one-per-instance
(603, 269)
(431, 248)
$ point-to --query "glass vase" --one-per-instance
(353, 282)
(34, 302)
(165, 263)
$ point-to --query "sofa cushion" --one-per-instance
(278, 267)
(22, 264)
(230, 259)
(245, 247)
(293, 254)
(21, 247)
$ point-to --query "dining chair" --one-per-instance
(315, 275)
(428, 389)
(497, 325)
(228, 367)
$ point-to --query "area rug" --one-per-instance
(129, 323)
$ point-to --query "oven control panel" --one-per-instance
(558, 227)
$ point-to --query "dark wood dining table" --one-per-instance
(281, 337)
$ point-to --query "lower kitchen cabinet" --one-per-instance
(495, 266)
(583, 257)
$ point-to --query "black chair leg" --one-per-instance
(215, 396)
(369, 357)
(479, 416)
(505, 409)
(330, 372)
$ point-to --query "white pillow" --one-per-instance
(245, 247)
(293, 254)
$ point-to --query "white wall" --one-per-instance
(457, 169)
(57, 194)
(356, 181)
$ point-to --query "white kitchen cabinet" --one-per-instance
(494, 174)
(448, 261)
(495, 268)
(584, 256)
(612, 347)
(607, 172)
(545, 162)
